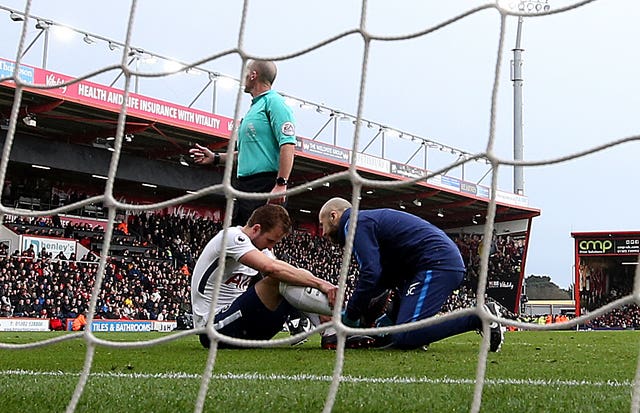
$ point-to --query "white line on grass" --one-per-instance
(345, 379)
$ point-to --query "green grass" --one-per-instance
(535, 372)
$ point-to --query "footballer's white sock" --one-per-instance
(306, 299)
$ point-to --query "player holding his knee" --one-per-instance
(248, 310)
(398, 250)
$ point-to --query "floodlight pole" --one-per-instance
(518, 144)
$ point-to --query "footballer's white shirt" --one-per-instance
(234, 281)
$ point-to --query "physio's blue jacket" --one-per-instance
(391, 247)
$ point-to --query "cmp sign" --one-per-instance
(608, 246)
(595, 246)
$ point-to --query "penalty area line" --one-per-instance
(325, 378)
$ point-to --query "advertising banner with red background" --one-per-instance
(111, 99)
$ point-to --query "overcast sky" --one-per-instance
(581, 87)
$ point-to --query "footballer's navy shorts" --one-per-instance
(423, 296)
(249, 319)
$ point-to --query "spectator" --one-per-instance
(79, 323)
(29, 252)
(6, 311)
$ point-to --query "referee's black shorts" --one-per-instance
(260, 182)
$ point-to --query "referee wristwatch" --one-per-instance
(280, 181)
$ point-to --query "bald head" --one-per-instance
(330, 215)
(265, 69)
(335, 204)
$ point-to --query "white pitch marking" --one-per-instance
(346, 379)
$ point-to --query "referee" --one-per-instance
(266, 142)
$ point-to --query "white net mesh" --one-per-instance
(502, 8)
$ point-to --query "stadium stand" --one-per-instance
(151, 259)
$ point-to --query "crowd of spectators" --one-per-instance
(593, 297)
(463, 297)
(599, 285)
(52, 288)
(505, 257)
(317, 255)
(152, 285)
(624, 317)
(147, 275)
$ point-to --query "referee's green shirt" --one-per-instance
(267, 125)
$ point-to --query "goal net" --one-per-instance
(503, 10)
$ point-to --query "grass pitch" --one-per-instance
(551, 371)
